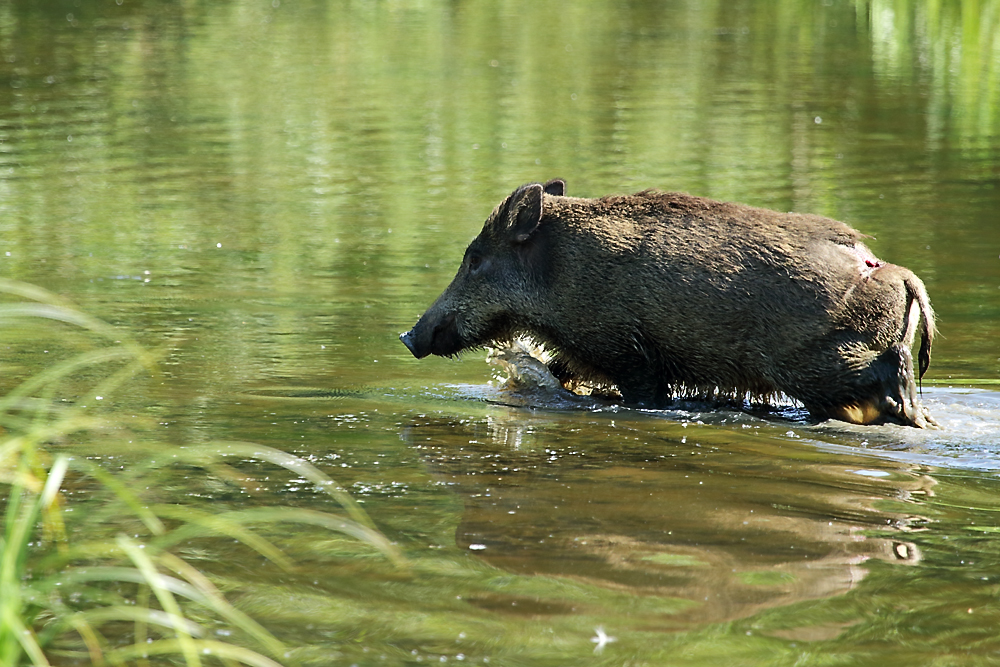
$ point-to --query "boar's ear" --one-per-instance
(525, 212)
(556, 186)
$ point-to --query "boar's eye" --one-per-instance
(475, 262)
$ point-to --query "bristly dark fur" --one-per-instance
(664, 294)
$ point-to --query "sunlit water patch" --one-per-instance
(968, 435)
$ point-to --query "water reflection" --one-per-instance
(670, 510)
(299, 178)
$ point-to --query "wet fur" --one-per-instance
(666, 294)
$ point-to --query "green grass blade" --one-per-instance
(124, 494)
(25, 636)
(221, 606)
(122, 574)
(92, 639)
(54, 480)
(201, 523)
(135, 613)
(60, 370)
(20, 523)
(227, 522)
(323, 520)
(293, 463)
(204, 646)
(51, 306)
(154, 580)
(32, 292)
(18, 310)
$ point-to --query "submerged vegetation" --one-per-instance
(89, 558)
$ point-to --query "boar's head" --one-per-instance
(498, 285)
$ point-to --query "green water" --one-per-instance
(274, 190)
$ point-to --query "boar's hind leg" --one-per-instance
(890, 393)
(887, 386)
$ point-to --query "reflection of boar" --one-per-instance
(663, 294)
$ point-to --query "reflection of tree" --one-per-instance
(953, 46)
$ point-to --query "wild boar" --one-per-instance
(663, 294)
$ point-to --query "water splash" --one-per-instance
(529, 382)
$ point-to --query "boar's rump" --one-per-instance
(664, 294)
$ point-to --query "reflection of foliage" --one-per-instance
(956, 45)
(67, 583)
(349, 155)
(376, 116)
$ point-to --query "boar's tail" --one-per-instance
(917, 294)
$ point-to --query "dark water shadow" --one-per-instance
(731, 521)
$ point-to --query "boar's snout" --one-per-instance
(410, 341)
(433, 335)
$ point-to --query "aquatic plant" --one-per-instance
(89, 564)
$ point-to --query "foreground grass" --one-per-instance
(101, 581)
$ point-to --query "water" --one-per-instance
(274, 190)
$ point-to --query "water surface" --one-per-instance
(274, 190)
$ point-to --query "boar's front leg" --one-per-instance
(646, 380)
(641, 380)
